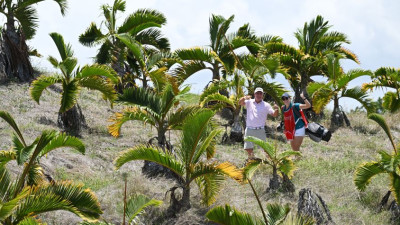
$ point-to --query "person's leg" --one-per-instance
(249, 146)
(298, 139)
(296, 143)
(250, 153)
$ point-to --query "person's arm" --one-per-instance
(243, 99)
(276, 111)
(304, 106)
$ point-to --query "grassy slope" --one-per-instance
(327, 168)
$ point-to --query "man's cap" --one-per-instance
(258, 89)
(285, 95)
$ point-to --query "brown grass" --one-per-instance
(327, 168)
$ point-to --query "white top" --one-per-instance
(257, 113)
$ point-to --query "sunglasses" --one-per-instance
(285, 98)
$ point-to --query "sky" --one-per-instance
(371, 26)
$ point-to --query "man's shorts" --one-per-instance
(258, 133)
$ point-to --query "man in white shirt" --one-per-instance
(257, 112)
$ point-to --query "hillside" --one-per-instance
(326, 168)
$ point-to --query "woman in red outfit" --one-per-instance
(294, 126)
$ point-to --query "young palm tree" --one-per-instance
(197, 142)
(336, 88)
(315, 41)
(143, 25)
(387, 78)
(72, 79)
(274, 213)
(21, 24)
(218, 57)
(30, 193)
(279, 161)
(155, 108)
(388, 164)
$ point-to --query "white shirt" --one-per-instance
(257, 113)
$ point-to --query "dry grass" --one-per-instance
(327, 168)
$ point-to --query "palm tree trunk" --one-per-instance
(236, 130)
(337, 115)
(14, 55)
(72, 121)
(274, 183)
(216, 75)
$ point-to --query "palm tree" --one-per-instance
(274, 213)
(315, 42)
(72, 79)
(197, 142)
(217, 57)
(21, 24)
(143, 25)
(385, 77)
(155, 108)
(279, 161)
(336, 88)
(388, 164)
(31, 194)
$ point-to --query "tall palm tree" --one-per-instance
(72, 79)
(388, 164)
(21, 24)
(217, 57)
(197, 142)
(385, 77)
(315, 42)
(30, 193)
(143, 25)
(336, 88)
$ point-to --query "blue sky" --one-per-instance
(371, 26)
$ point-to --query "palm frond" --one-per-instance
(91, 36)
(8, 208)
(150, 154)
(10, 120)
(64, 50)
(208, 145)
(361, 96)
(61, 196)
(219, 98)
(395, 186)
(185, 70)
(364, 173)
(142, 19)
(98, 70)
(137, 203)
(391, 101)
(35, 174)
(62, 140)
(197, 53)
(30, 221)
(382, 123)
(135, 48)
(141, 97)
(69, 95)
(268, 148)
(153, 37)
(209, 186)
(128, 114)
(28, 18)
(103, 55)
(250, 168)
(99, 84)
(230, 216)
(194, 130)
(5, 182)
(40, 84)
(287, 167)
(177, 118)
(276, 213)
